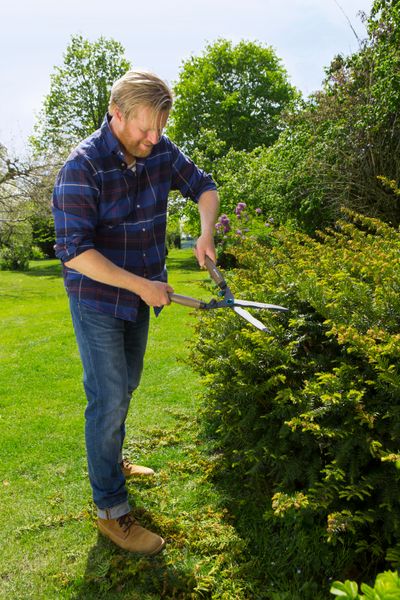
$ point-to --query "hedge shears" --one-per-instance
(228, 300)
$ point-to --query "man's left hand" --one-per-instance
(205, 247)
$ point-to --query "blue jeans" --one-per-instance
(112, 352)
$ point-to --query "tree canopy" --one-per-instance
(339, 148)
(79, 92)
(235, 94)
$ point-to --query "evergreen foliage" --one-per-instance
(307, 418)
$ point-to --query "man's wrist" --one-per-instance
(207, 236)
(136, 284)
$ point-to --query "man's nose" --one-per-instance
(153, 136)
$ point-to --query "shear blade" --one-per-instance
(246, 315)
(260, 305)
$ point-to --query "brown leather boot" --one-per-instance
(130, 470)
(129, 535)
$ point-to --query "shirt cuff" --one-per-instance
(206, 188)
(66, 252)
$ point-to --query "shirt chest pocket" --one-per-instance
(119, 199)
(118, 239)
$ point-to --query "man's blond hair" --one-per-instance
(140, 88)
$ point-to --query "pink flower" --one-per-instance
(239, 208)
(223, 223)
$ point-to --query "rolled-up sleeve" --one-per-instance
(75, 210)
(191, 181)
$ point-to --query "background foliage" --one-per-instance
(236, 93)
(338, 148)
(79, 93)
(299, 160)
(341, 149)
(73, 109)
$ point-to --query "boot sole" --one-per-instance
(128, 475)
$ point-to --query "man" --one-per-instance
(110, 208)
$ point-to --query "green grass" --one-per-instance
(49, 545)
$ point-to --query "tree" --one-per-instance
(79, 93)
(15, 229)
(235, 94)
(340, 148)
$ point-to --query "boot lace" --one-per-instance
(126, 522)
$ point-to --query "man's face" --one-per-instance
(141, 132)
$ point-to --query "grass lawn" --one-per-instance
(49, 545)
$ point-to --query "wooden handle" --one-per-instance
(187, 301)
(215, 273)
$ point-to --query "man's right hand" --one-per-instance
(155, 293)
(96, 266)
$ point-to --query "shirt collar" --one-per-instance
(111, 141)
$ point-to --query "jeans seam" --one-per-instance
(97, 394)
(80, 311)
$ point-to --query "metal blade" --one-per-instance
(259, 305)
(246, 315)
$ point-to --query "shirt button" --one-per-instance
(144, 254)
(144, 229)
(123, 165)
(137, 205)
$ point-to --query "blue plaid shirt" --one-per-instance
(98, 202)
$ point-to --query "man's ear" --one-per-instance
(117, 114)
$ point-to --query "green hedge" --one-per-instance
(15, 245)
(306, 419)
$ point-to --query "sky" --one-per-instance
(160, 35)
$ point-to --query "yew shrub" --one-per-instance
(306, 418)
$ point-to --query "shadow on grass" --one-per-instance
(113, 573)
(51, 269)
(184, 261)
